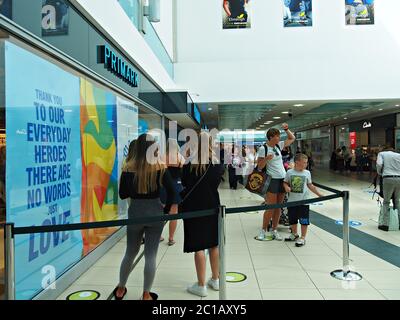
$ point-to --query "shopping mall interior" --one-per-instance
(87, 78)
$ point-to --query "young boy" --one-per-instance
(297, 183)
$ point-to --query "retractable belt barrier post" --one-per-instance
(9, 261)
(345, 274)
(222, 241)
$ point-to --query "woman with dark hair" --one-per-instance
(201, 178)
(141, 180)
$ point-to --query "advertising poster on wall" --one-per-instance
(297, 13)
(6, 8)
(43, 184)
(236, 14)
(127, 120)
(55, 17)
(360, 12)
(99, 161)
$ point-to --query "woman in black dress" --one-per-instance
(201, 181)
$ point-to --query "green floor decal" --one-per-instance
(84, 295)
(235, 277)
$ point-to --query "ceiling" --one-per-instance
(299, 115)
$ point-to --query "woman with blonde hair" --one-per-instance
(174, 162)
(201, 178)
(141, 181)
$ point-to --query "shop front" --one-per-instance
(68, 113)
(373, 133)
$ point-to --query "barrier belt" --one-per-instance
(281, 205)
(327, 188)
(114, 223)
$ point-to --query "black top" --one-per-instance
(175, 172)
(236, 7)
(201, 233)
(205, 195)
(127, 189)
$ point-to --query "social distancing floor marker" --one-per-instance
(84, 295)
(351, 223)
(265, 239)
(235, 277)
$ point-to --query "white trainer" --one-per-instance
(276, 235)
(198, 290)
(213, 284)
(261, 235)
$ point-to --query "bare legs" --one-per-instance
(200, 262)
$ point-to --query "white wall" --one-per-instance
(164, 28)
(112, 18)
(270, 63)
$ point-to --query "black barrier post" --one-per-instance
(9, 261)
(346, 274)
(222, 241)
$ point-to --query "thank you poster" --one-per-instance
(43, 174)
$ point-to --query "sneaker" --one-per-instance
(276, 235)
(261, 235)
(269, 236)
(198, 290)
(292, 237)
(300, 242)
(213, 284)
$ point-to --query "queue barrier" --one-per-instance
(222, 211)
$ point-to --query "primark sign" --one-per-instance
(117, 65)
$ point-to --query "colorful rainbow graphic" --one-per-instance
(99, 199)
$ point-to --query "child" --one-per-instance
(297, 183)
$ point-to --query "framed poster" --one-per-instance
(297, 13)
(360, 12)
(236, 14)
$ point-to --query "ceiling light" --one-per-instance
(298, 105)
(276, 117)
(209, 109)
(285, 112)
(380, 109)
(397, 105)
(344, 118)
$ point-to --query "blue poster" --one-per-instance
(43, 170)
(360, 12)
(297, 13)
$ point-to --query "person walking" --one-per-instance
(141, 181)
(388, 166)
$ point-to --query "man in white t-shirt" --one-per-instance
(269, 159)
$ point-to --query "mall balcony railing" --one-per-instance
(343, 274)
(134, 11)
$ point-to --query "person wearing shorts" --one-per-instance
(269, 159)
(298, 183)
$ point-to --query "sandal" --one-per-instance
(171, 242)
(115, 293)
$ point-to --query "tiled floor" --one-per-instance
(274, 270)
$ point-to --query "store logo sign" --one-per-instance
(367, 124)
(117, 65)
